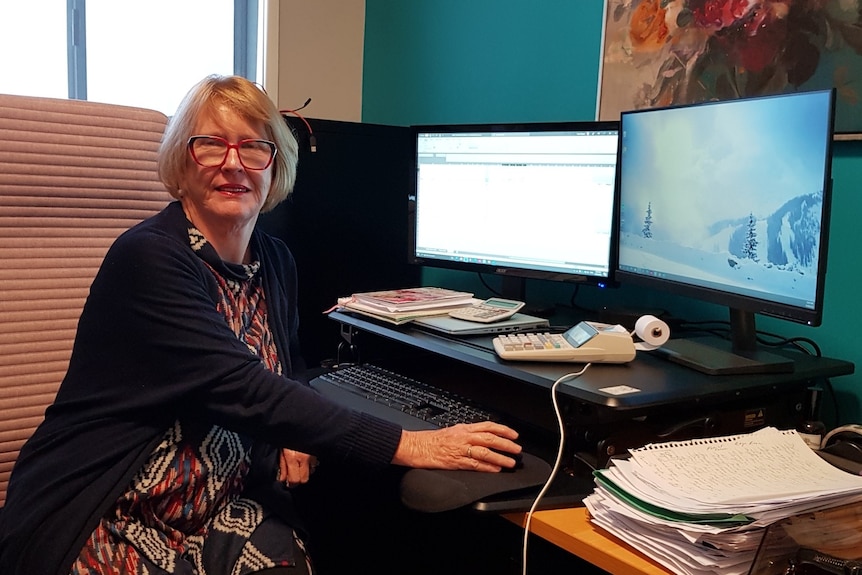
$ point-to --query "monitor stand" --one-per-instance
(716, 356)
(516, 288)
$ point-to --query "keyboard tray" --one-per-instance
(442, 490)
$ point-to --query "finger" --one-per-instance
(494, 428)
(495, 457)
(290, 467)
(484, 456)
(282, 467)
(495, 442)
(298, 471)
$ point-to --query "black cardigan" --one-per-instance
(152, 348)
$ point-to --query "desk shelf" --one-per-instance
(658, 381)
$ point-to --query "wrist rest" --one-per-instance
(436, 490)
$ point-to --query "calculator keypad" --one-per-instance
(532, 341)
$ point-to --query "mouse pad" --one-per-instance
(434, 490)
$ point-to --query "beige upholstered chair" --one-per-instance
(73, 176)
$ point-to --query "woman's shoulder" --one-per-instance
(162, 236)
(170, 223)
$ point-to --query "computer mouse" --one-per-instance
(518, 457)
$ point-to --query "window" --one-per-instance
(34, 48)
(145, 54)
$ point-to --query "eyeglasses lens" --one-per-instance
(212, 152)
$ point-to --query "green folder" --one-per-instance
(718, 519)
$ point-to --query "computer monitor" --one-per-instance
(530, 200)
(728, 202)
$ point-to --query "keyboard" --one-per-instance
(397, 398)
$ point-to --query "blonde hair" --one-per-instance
(252, 104)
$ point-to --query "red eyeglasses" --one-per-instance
(212, 151)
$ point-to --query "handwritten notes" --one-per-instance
(762, 467)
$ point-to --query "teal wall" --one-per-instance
(439, 61)
(430, 61)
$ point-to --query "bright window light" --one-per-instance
(145, 54)
(33, 44)
(149, 54)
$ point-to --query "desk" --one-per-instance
(666, 395)
(571, 529)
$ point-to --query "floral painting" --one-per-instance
(666, 52)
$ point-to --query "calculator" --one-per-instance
(488, 311)
(586, 342)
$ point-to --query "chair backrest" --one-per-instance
(73, 176)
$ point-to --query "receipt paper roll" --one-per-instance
(652, 331)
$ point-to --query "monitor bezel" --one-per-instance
(514, 277)
(740, 303)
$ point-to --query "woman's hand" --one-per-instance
(295, 468)
(475, 446)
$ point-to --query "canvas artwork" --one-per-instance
(666, 52)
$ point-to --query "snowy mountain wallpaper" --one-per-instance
(728, 195)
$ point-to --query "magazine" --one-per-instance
(413, 299)
(396, 317)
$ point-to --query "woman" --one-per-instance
(182, 418)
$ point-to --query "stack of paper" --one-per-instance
(403, 305)
(700, 507)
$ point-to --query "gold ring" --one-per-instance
(470, 452)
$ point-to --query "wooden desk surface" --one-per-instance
(571, 529)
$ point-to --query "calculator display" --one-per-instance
(502, 303)
(580, 334)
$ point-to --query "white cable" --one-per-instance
(557, 463)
